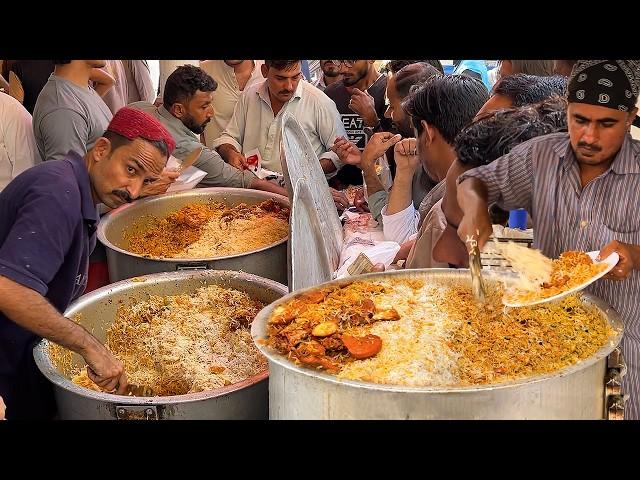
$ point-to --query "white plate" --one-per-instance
(611, 262)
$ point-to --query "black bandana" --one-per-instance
(606, 83)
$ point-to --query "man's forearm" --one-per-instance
(267, 186)
(371, 179)
(472, 194)
(401, 194)
(32, 311)
(226, 150)
(327, 165)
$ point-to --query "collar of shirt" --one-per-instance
(626, 160)
(263, 92)
(89, 209)
(175, 123)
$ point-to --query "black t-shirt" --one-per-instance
(354, 124)
(33, 74)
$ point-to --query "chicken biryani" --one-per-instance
(203, 230)
(412, 333)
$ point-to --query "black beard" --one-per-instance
(194, 127)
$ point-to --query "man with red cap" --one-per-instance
(582, 189)
(48, 220)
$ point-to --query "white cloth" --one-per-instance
(253, 124)
(18, 150)
(402, 225)
(226, 95)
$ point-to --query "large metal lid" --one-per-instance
(306, 255)
(300, 162)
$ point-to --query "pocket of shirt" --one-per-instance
(622, 220)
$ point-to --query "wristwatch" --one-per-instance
(369, 131)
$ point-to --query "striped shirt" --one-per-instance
(543, 176)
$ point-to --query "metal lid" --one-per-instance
(306, 255)
(300, 162)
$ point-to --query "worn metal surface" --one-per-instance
(244, 400)
(575, 392)
(269, 261)
(299, 161)
(308, 263)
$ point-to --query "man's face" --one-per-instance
(282, 84)
(449, 248)
(495, 102)
(198, 111)
(117, 176)
(394, 111)
(96, 63)
(597, 132)
(352, 75)
(233, 63)
(329, 69)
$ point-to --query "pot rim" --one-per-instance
(259, 326)
(46, 367)
(212, 192)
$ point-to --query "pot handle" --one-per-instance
(614, 400)
(192, 266)
(137, 412)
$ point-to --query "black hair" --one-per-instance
(281, 64)
(61, 62)
(118, 141)
(448, 102)
(525, 89)
(412, 74)
(183, 84)
(496, 134)
(394, 66)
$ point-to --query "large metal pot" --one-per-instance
(244, 400)
(269, 261)
(575, 392)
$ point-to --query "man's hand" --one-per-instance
(406, 155)
(363, 104)
(340, 199)
(475, 226)
(347, 151)
(2, 409)
(237, 160)
(628, 259)
(105, 370)
(159, 186)
(360, 202)
(377, 145)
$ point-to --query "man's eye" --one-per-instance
(131, 170)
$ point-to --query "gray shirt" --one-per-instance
(219, 173)
(543, 176)
(68, 117)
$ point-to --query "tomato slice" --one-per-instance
(362, 347)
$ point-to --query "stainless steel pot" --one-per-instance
(575, 392)
(269, 261)
(244, 400)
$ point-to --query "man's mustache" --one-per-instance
(590, 146)
(123, 194)
(282, 92)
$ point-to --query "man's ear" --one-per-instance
(264, 69)
(101, 149)
(429, 133)
(632, 117)
(178, 110)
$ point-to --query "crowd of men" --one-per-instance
(442, 157)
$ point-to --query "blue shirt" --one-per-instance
(47, 231)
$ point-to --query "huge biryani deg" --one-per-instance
(203, 230)
(407, 332)
(185, 343)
